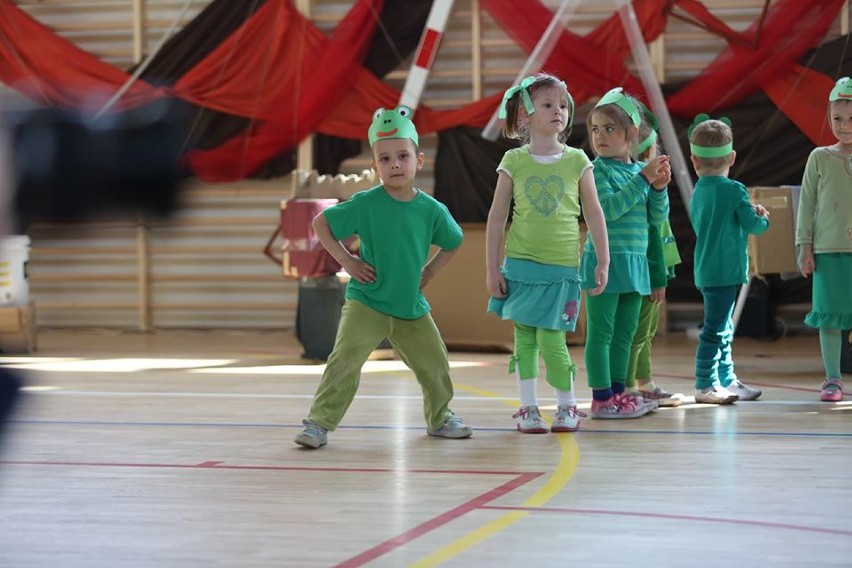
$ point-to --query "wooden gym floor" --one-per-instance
(175, 450)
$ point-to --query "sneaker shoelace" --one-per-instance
(570, 411)
(528, 413)
(625, 401)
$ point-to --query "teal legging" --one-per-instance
(611, 321)
(529, 341)
(640, 352)
(830, 345)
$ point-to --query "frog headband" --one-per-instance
(622, 101)
(394, 123)
(709, 151)
(652, 121)
(842, 91)
(524, 89)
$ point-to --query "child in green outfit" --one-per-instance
(662, 258)
(396, 224)
(723, 217)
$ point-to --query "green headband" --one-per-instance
(627, 104)
(842, 91)
(652, 121)
(524, 89)
(709, 151)
(388, 124)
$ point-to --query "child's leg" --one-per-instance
(830, 344)
(639, 367)
(557, 362)
(626, 320)
(524, 363)
(715, 335)
(600, 323)
(420, 346)
(360, 330)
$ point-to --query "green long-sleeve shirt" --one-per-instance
(723, 217)
(824, 219)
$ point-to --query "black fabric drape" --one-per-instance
(397, 36)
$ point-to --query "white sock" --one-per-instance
(527, 389)
(565, 398)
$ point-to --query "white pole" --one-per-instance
(539, 55)
(415, 83)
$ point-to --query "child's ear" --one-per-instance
(733, 158)
(695, 163)
(421, 160)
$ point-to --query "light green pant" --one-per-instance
(361, 329)
(551, 343)
(640, 352)
(611, 321)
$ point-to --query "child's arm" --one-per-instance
(805, 219)
(594, 215)
(748, 217)
(357, 268)
(616, 204)
(434, 266)
(494, 230)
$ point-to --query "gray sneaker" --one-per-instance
(744, 391)
(312, 435)
(715, 395)
(453, 427)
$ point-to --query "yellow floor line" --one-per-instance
(569, 458)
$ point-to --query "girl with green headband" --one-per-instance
(538, 285)
(633, 195)
(723, 217)
(824, 237)
(663, 256)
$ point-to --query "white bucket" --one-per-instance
(14, 255)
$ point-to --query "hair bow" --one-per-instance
(523, 88)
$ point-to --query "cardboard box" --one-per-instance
(774, 251)
(18, 329)
(459, 299)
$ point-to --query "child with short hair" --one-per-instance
(723, 217)
(396, 224)
(538, 285)
(824, 237)
(633, 195)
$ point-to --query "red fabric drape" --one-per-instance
(51, 70)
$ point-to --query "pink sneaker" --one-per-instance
(621, 405)
(529, 420)
(831, 391)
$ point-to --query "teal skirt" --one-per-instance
(546, 296)
(832, 292)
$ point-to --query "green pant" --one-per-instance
(611, 321)
(551, 343)
(640, 352)
(361, 329)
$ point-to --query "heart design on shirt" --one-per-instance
(544, 194)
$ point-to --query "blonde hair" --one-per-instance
(512, 127)
(712, 134)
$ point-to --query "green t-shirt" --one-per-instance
(722, 217)
(395, 239)
(547, 205)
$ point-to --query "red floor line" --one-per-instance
(767, 524)
(437, 522)
(222, 465)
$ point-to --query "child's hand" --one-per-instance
(360, 270)
(496, 283)
(761, 210)
(658, 172)
(601, 277)
(426, 276)
(658, 295)
(807, 265)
